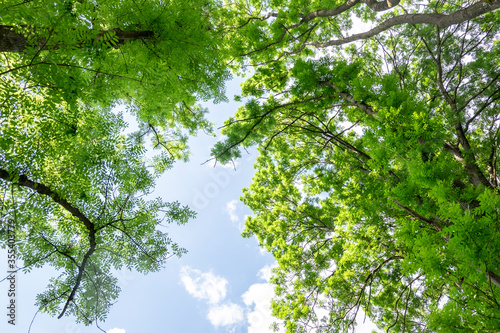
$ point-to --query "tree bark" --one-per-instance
(43, 189)
(441, 20)
(494, 278)
(12, 41)
(24, 181)
(476, 177)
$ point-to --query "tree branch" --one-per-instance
(493, 277)
(440, 20)
(431, 222)
(22, 180)
(377, 6)
(81, 270)
(12, 41)
(329, 13)
(469, 162)
(348, 97)
(262, 117)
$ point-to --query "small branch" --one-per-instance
(263, 18)
(431, 222)
(34, 262)
(370, 277)
(487, 103)
(348, 146)
(348, 97)
(138, 245)
(397, 301)
(261, 118)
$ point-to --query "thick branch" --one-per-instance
(81, 270)
(476, 176)
(329, 13)
(22, 180)
(45, 190)
(493, 278)
(440, 20)
(12, 41)
(475, 173)
(380, 6)
(377, 6)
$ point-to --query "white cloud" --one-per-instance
(258, 299)
(256, 314)
(226, 314)
(265, 272)
(205, 286)
(263, 251)
(212, 289)
(231, 165)
(231, 210)
(116, 330)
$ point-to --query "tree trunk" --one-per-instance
(12, 41)
(493, 278)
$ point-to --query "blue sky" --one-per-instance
(220, 285)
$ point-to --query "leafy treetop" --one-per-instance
(376, 185)
(76, 187)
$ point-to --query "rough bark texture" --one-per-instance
(12, 41)
(476, 177)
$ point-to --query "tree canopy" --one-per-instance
(377, 182)
(75, 186)
(376, 188)
(156, 57)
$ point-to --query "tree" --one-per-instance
(72, 183)
(376, 187)
(108, 52)
(77, 198)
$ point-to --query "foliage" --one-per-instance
(157, 58)
(92, 216)
(76, 186)
(376, 186)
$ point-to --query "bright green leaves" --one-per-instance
(84, 159)
(75, 183)
(375, 188)
(158, 58)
